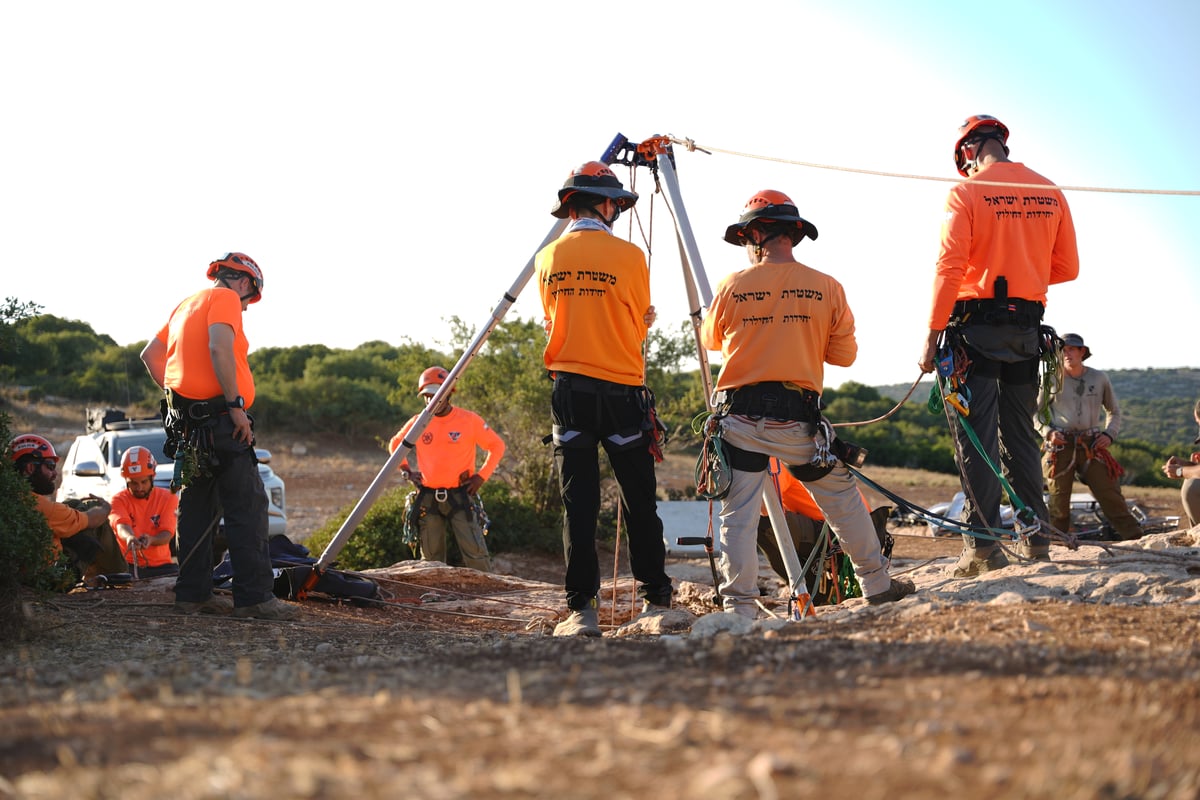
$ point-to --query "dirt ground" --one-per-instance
(455, 690)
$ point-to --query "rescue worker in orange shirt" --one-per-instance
(777, 323)
(82, 533)
(443, 470)
(595, 291)
(1001, 248)
(143, 516)
(200, 359)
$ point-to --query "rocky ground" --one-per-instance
(1079, 679)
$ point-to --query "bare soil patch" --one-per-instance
(1064, 681)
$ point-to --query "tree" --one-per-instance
(12, 311)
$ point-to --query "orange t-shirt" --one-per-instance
(146, 517)
(63, 520)
(446, 448)
(189, 368)
(779, 322)
(1025, 235)
(595, 291)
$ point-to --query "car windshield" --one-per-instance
(151, 439)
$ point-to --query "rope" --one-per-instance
(691, 146)
(895, 408)
(467, 595)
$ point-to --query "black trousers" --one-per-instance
(588, 414)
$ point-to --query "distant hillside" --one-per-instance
(1156, 404)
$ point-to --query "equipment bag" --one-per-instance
(292, 565)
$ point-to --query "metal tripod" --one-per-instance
(656, 154)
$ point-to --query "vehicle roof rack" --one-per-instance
(114, 419)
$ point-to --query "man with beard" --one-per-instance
(84, 534)
(143, 516)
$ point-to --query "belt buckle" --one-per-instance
(441, 494)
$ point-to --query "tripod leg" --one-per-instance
(377, 485)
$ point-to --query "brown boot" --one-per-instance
(976, 561)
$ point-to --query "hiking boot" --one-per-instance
(653, 609)
(1034, 552)
(584, 622)
(271, 609)
(976, 561)
(215, 604)
(899, 588)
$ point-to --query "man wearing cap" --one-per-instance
(595, 291)
(1077, 442)
(1002, 247)
(443, 470)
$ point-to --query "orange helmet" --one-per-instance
(239, 262)
(972, 128)
(596, 179)
(31, 445)
(770, 206)
(137, 463)
(430, 380)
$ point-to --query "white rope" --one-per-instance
(691, 146)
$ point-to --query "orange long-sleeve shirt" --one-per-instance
(148, 517)
(1026, 235)
(189, 369)
(446, 448)
(595, 291)
(779, 322)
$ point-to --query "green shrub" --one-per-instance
(26, 544)
(516, 526)
(377, 541)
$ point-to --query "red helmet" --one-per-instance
(30, 444)
(239, 262)
(137, 463)
(973, 128)
(770, 206)
(593, 178)
(430, 380)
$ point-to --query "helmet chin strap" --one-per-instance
(975, 144)
(242, 297)
(607, 220)
(759, 246)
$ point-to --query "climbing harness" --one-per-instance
(190, 443)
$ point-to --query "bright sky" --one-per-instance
(391, 165)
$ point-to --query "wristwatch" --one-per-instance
(237, 402)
